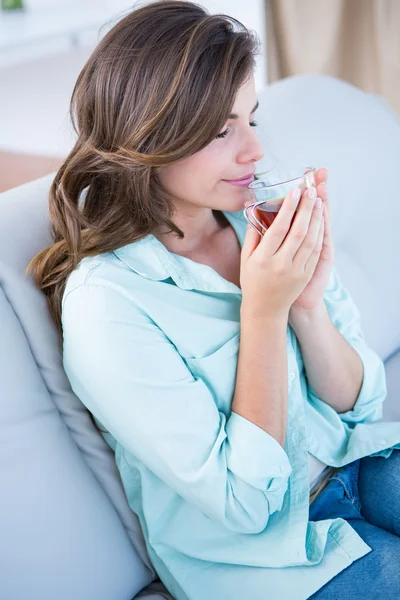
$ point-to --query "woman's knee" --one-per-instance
(379, 491)
(384, 559)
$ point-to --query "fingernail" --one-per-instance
(318, 203)
(296, 194)
(323, 183)
(312, 192)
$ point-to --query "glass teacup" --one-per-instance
(269, 191)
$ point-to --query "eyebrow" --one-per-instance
(233, 116)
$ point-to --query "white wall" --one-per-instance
(35, 93)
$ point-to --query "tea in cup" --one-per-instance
(269, 191)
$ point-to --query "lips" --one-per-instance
(241, 178)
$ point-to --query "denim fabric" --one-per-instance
(366, 493)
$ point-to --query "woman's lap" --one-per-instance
(367, 494)
(374, 576)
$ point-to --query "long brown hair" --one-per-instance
(157, 88)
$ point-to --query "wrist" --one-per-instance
(262, 318)
(298, 314)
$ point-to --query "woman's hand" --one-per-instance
(312, 295)
(276, 268)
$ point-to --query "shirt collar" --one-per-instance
(150, 258)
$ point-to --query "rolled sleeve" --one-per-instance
(250, 449)
(369, 404)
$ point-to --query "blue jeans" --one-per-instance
(366, 493)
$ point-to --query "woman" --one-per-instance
(154, 277)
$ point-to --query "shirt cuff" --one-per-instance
(369, 404)
(255, 456)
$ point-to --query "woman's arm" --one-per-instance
(127, 372)
(261, 393)
(330, 364)
(334, 369)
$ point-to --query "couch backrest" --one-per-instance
(66, 528)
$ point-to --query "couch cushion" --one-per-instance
(391, 406)
(64, 515)
(60, 536)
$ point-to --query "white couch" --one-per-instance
(66, 530)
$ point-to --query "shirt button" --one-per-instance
(292, 376)
(382, 442)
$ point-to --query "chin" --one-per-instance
(233, 202)
(238, 203)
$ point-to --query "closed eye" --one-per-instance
(224, 133)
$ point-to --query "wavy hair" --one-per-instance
(157, 88)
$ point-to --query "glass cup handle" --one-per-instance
(249, 220)
(253, 207)
(263, 227)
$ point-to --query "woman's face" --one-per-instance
(200, 180)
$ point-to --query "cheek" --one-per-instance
(196, 175)
(173, 178)
(212, 165)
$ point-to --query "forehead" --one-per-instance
(245, 99)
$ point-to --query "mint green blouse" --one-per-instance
(151, 343)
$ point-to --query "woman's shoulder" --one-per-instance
(100, 271)
(79, 276)
(102, 279)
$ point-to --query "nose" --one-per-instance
(251, 148)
